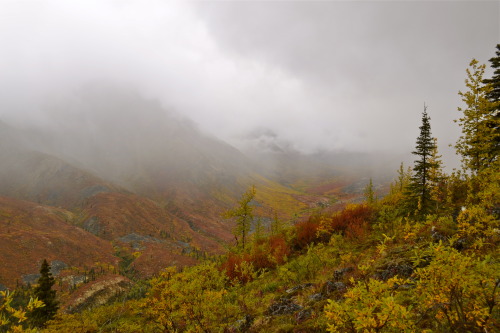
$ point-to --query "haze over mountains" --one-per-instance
(117, 167)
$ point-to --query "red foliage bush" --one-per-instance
(259, 257)
(230, 266)
(307, 232)
(278, 249)
(352, 222)
(265, 254)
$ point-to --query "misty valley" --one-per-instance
(128, 177)
(209, 166)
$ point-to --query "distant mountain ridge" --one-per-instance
(132, 141)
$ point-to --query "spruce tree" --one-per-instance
(493, 96)
(419, 190)
(43, 291)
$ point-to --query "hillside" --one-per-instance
(29, 174)
(366, 268)
(137, 143)
(31, 232)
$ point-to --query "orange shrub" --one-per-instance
(230, 266)
(259, 257)
(307, 232)
(267, 253)
(353, 221)
(278, 249)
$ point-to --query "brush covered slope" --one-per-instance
(97, 208)
(31, 232)
(369, 267)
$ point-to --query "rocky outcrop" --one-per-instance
(303, 315)
(339, 274)
(402, 270)
(331, 287)
(98, 293)
(56, 266)
(283, 306)
(242, 325)
(296, 289)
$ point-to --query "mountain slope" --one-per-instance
(32, 232)
(113, 216)
(137, 143)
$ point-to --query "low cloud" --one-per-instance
(318, 75)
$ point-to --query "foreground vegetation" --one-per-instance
(424, 258)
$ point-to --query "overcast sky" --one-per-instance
(319, 75)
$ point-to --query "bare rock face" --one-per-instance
(283, 306)
(93, 226)
(30, 278)
(98, 293)
(339, 274)
(295, 290)
(56, 266)
(330, 287)
(303, 315)
(403, 270)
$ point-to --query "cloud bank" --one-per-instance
(318, 75)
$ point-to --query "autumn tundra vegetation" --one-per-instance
(423, 258)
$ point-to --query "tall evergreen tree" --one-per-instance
(494, 94)
(419, 190)
(479, 135)
(494, 97)
(44, 293)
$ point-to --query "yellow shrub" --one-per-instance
(371, 306)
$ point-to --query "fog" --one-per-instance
(300, 76)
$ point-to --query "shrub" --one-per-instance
(458, 292)
(352, 222)
(265, 254)
(233, 268)
(278, 249)
(475, 222)
(11, 318)
(195, 300)
(307, 232)
(370, 306)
